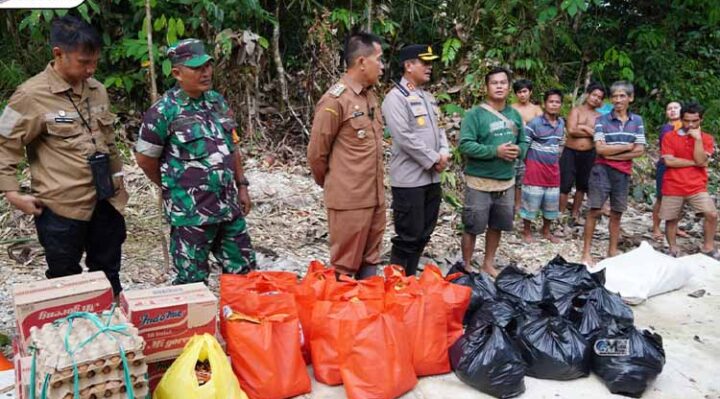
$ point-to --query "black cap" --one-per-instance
(420, 51)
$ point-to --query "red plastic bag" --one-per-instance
(376, 358)
(427, 333)
(319, 278)
(312, 288)
(455, 297)
(371, 290)
(4, 363)
(347, 301)
(232, 286)
(262, 331)
(328, 316)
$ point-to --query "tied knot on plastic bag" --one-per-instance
(519, 285)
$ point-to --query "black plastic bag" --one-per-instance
(627, 360)
(486, 359)
(554, 349)
(483, 288)
(563, 281)
(498, 311)
(588, 323)
(610, 306)
(519, 285)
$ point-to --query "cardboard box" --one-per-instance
(22, 376)
(156, 371)
(168, 317)
(45, 301)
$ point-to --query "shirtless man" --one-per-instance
(528, 111)
(579, 153)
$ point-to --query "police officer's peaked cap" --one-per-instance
(420, 51)
(188, 52)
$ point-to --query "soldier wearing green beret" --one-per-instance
(188, 146)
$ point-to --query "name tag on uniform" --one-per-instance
(357, 114)
(63, 118)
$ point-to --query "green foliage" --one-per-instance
(670, 49)
(450, 50)
(344, 17)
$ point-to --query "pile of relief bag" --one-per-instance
(559, 324)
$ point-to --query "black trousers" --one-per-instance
(415, 213)
(65, 240)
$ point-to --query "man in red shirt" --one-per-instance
(686, 152)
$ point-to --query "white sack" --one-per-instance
(643, 272)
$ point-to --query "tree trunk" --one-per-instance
(369, 15)
(278, 60)
(151, 57)
(153, 98)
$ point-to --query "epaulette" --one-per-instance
(403, 90)
(337, 90)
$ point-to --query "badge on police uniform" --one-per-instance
(63, 118)
(421, 121)
(361, 134)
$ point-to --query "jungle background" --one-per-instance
(274, 59)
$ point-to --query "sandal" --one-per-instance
(714, 253)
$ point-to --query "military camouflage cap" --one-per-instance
(417, 51)
(188, 52)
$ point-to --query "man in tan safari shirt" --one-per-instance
(61, 119)
(345, 156)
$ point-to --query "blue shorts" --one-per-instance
(544, 199)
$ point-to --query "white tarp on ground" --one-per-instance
(643, 272)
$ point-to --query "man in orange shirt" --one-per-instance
(686, 153)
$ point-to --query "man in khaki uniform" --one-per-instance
(61, 119)
(345, 156)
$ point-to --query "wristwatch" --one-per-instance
(243, 182)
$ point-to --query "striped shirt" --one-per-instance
(613, 131)
(542, 162)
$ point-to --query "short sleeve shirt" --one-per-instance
(193, 138)
(689, 180)
(613, 131)
(542, 163)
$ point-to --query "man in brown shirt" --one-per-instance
(61, 119)
(346, 158)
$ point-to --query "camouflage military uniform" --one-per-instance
(193, 138)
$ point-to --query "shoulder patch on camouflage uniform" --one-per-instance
(337, 90)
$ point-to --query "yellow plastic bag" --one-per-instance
(180, 381)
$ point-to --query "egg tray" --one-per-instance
(119, 391)
(100, 353)
(100, 381)
(98, 368)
